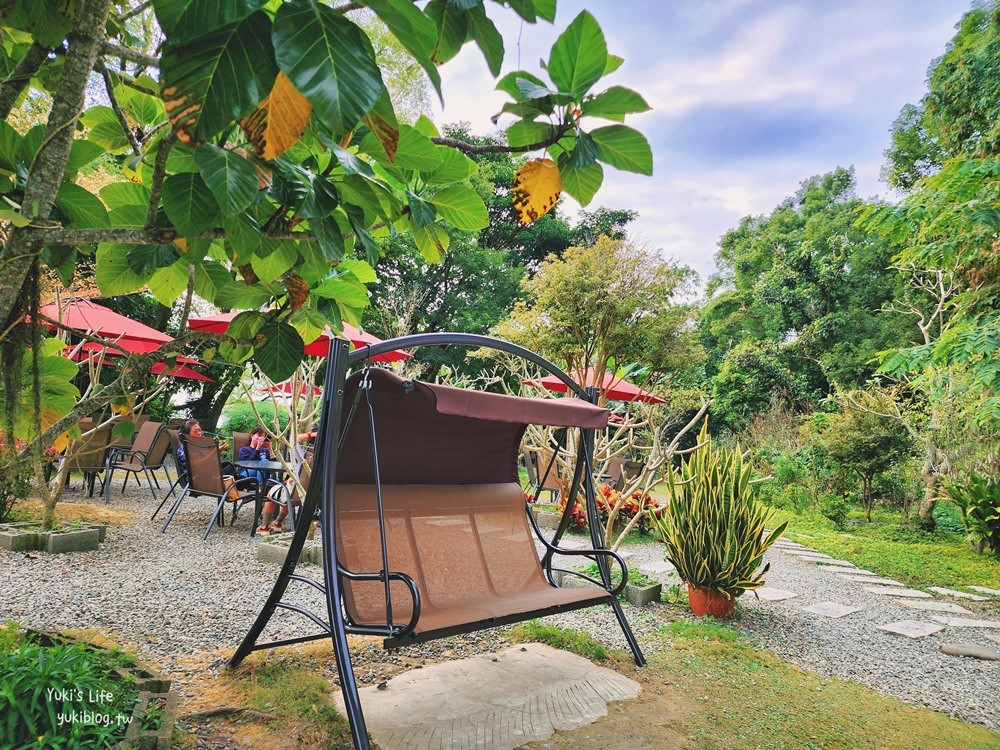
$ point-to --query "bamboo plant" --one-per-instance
(714, 528)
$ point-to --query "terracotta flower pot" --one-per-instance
(712, 602)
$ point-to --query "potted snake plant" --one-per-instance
(714, 528)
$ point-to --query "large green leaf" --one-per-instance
(527, 132)
(184, 20)
(209, 278)
(462, 207)
(416, 151)
(145, 259)
(83, 208)
(614, 104)
(414, 30)
(579, 56)
(455, 167)
(347, 291)
(432, 242)
(452, 29)
(144, 108)
(330, 61)
(239, 296)
(47, 21)
(280, 259)
(423, 213)
(484, 31)
(112, 271)
(81, 153)
(229, 176)
(624, 148)
(116, 194)
(104, 129)
(168, 284)
(189, 203)
(582, 183)
(219, 78)
(281, 352)
(362, 271)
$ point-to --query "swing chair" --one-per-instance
(425, 529)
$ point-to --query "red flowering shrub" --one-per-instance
(607, 498)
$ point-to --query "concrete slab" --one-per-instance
(768, 594)
(994, 638)
(985, 590)
(871, 579)
(657, 567)
(890, 591)
(929, 605)
(494, 702)
(809, 555)
(911, 628)
(964, 622)
(831, 609)
(835, 564)
(958, 594)
(861, 572)
(969, 650)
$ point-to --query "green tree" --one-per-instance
(260, 153)
(810, 284)
(614, 301)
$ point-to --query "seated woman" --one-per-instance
(193, 428)
(259, 449)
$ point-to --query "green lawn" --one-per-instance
(898, 551)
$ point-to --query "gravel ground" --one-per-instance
(171, 597)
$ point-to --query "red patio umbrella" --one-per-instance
(613, 388)
(180, 370)
(97, 320)
(318, 348)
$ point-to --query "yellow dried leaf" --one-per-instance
(297, 288)
(278, 121)
(536, 188)
(61, 442)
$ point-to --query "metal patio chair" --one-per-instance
(148, 453)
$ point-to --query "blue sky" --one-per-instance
(749, 98)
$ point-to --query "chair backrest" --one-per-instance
(536, 467)
(240, 440)
(146, 435)
(89, 453)
(204, 465)
(158, 450)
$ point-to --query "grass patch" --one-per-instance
(568, 640)
(635, 577)
(896, 550)
(745, 698)
(68, 513)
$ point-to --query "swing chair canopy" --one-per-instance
(436, 434)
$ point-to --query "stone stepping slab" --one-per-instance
(984, 590)
(958, 594)
(870, 579)
(835, 564)
(963, 622)
(975, 652)
(810, 555)
(889, 591)
(768, 594)
(911, 628)
(657, 567)
(933, 606)
(831, 609)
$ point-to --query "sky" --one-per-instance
(749, 98)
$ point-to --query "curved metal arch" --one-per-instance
(418, 340)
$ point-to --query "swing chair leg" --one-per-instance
(633, 644)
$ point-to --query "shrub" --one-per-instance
(978, 500)
(607, 498)
(15, 484)
(835, 508)
(239, 416)
(61, 696)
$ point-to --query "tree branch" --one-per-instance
(109, 86)
(134, 12)
(15, 83)
(42, 236)
(159, 172)
(111, 49)
(472, 149)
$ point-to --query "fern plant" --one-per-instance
(978, 499)
(714, 526)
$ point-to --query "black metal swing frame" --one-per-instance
(321, 495)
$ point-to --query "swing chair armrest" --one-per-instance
(614, 592)
(583, 553)
(398, 631)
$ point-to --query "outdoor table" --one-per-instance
(267, 468)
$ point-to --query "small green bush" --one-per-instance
(239, 416)
(62, 696)
(978, 500)
(836, 509)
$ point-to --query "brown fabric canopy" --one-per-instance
(435, 434)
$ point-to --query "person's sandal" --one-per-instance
(276, 527)
(264, 530)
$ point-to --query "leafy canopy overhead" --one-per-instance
(249, 149)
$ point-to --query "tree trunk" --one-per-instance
(19, 77)
(929, 475)
(46, 172)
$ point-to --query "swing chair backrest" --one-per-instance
(455, 519)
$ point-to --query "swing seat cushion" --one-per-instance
(467, 547)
